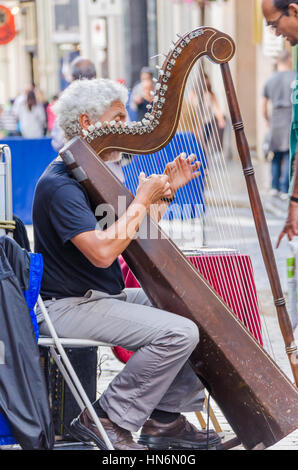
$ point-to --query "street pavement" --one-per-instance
(275, 211)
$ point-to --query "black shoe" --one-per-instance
(180, 434)
(84, 429)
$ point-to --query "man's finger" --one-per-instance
(195, 174)
(196, 165)
(280, 238)
(191, 158)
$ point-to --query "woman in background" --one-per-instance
(32, 117)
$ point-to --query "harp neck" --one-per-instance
(159, 126)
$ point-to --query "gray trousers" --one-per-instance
(158, 375)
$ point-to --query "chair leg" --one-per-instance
(75, 380)
(213, 418)
(79, 393)
(201, 420)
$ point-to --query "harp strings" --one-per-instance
(213, 149)
(214, 197)
(220, 168)
(236, 270)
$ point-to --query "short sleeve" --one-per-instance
(70, 212)
(266, 91)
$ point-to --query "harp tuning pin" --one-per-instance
(152, 93)
(112, 123)
(98, 125)
(149, 106)
(91, 128)
(85, 133)
(154, 79)
(161, 72)
(105, 123)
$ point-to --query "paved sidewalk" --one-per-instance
(275, 210)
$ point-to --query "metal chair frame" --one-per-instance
(56, 346)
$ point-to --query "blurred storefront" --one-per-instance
(121, 36)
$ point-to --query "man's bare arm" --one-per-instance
(102, 247)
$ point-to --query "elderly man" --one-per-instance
(85, 295)
(282, 17)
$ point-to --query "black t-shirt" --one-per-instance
(62, 210)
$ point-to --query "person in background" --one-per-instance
(80, 68)
(32, 117)
(208, 108)
(282, 17)
(8, 121)
(50, 113)
(140, 94)
(277, 93)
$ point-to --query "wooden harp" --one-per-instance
(256, 397)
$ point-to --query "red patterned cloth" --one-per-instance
(231, 276)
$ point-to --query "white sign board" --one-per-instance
(104, 7)
(272, 44)
(98, 33)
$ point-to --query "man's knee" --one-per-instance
(186, 336)
(192, 333)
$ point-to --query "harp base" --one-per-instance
(231, 444)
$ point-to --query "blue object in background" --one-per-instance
(189, 200)
(29, 159)
(31, 296)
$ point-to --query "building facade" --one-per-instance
(121, 36)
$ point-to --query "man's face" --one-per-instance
(116, 112)
(283, 24)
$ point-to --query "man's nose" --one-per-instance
(278, 32)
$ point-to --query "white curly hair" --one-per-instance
(91, 97)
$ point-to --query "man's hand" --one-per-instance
(291, 225)
(181, 171)
(153, 188)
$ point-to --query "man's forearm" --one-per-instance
(116, 238)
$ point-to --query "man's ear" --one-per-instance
(84, 121)
(293, 9)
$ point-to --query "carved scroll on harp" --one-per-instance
(241, 377)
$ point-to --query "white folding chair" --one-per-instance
(56, 346)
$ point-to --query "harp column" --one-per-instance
(260, 221)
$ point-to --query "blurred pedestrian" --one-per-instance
(277, 94)
(207, 106)
(8, 121)
(50, 113)
(80, 68)
(141, 94)
(282, 17)
(32, 117)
